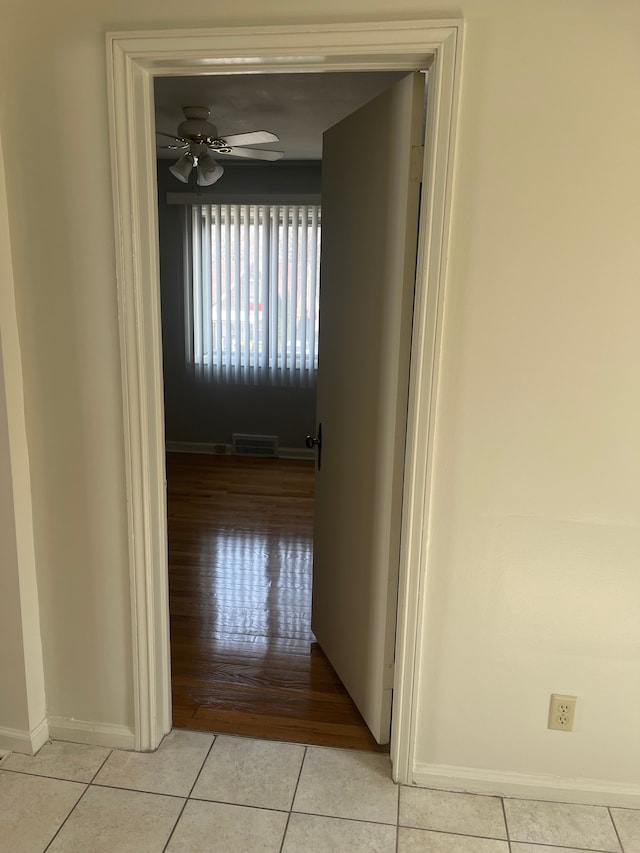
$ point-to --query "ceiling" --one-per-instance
(296, 107)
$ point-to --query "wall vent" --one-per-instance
(254, 445)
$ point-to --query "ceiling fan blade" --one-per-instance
(255, 153)
(252, 138)
(175, 138)
(173, 147)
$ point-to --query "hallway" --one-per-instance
(244, 660)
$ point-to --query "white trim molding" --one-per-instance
(23, 741)
(93, 733)
(527, 785)
(134, 59)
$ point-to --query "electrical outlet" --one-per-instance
(562, 710)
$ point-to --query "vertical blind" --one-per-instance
(252, 289)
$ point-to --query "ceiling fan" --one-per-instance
(199, 139)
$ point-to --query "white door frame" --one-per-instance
(134, 59)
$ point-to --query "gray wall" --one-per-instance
(205, 412)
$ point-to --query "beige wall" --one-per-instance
(533, 585)
(14, 711)
(22, 694)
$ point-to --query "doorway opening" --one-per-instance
(134, 60)
(244, 659)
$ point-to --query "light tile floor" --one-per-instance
(202, 794)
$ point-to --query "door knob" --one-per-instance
(316, 441)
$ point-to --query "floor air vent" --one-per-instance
(254, 445)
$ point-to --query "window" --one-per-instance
(252, 274)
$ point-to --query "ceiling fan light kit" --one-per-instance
(198, 138)
(209, 171)
(181, 169)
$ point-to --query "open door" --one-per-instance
(370, 205)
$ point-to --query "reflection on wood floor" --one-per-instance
(240, 561)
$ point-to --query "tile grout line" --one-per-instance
(199, 773)
(532, 799)
(188, 797)
(93, 778)
(508, 841)
(457, 832)
(43, 776)
(516, 798)
(57, 778)
(564, 847)
(506, 824)
(360, 820)
(71, 811)
(236, 805)
(466, 835)
(75, 805)
(615, 828)
(137, 790)
(559, 846)
(286, 826)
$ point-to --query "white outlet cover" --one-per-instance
(562, 711)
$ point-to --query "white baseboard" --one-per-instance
(40, 735)
(219, 449)
(24, 741)
(527, 785)
(96, 734)
(212, 448)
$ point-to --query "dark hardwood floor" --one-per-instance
(244, 660)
